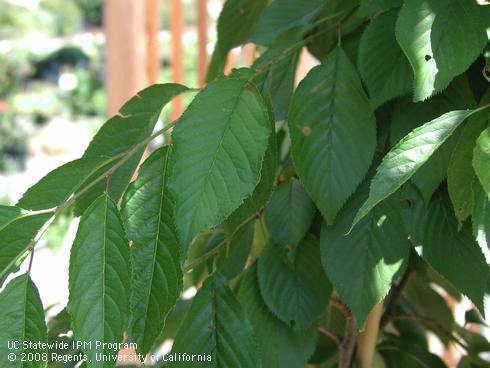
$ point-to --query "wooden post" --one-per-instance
(202, 40)
(126, 50)
(152, 28)
(177, 55)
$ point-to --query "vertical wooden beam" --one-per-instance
(202, 40)
(126, 50)
(152, 28)
(177, 54)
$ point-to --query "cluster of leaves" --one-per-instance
(294, 212)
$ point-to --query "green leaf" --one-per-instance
(22, 321)
(120, 133)
(453, 254)
(234, 25)
(296, 289)
(481, 159)
(382, 63)
(263, 190)
(281, 73)
(99, 281)
(281, 346)
(282, 15)
(218, 154)
(368, 7)
(18, 228)
(333, 132)
(363, 264)
(147, 213)
(59, 184)
(408, 155)
(237, 253)
(481, 218)
(217, 325)
(447, 36)
(428, 303)
(460, 172)
(408, 116)
(403, 353)
(289, 213)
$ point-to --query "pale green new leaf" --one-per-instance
(408, 156)
(460, 173)
(280, 346)
(381, 62)
(282, 15)
(59, 184)
(481, 158)
(156, 284)
(219, 146)
(363, 264)
(217, 325)
(18, 228)
(453, 254)
(481, 217)
(99, 281)
(289, 213)
(22, 321)
(234, 25)
(296, 290)
(333, 132)
(441, 38)
(120, 133)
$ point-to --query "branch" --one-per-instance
(330, 334)
(394, 295)
(369, 337)
(337, 303)
(348, 345)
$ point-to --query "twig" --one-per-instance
(394, 295)
(331, 335)
(190, 265)
(337, 303)
(369, 337)
(348, 345)
(31, 259)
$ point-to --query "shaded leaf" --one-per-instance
(460, 172)
(363, 264)
(156, 284)
(217, 325)
(333, 132)
(481, 158)
(289, 213)
(481, 218)
(447, 37)
(22, 321)
(218, 153)
(99, 281)
(281, 346)
(296, 290)
(282, 15)
(381, 62)
(234, 25)
(453, 254)
(232, 263)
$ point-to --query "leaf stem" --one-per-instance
(192, 264)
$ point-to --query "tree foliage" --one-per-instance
(358, 199)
